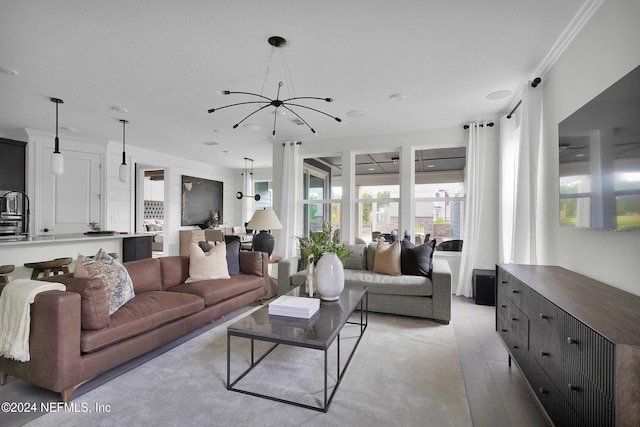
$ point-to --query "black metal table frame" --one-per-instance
(364, 321)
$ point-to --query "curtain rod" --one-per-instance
(534, 83)
(490, 125)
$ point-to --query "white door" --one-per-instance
(72, 200)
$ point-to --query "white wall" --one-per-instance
(118, 210)
(405, 142)
(606, 49)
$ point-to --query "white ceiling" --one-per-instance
(165, 61)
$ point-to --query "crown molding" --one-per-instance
(577, 23)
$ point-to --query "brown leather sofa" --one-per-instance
(73, 338)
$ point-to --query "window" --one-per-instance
(439, 194)
(264, 189)
(322, 191)
(377, 195)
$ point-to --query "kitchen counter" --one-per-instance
(6, 241)
(15, 250)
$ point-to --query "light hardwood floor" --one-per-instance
(496, 392)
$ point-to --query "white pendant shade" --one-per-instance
(123, 173)
(57, 164)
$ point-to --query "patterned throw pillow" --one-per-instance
(115, 276)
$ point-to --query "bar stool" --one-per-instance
(47, 268)
(4, 270)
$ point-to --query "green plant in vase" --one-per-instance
(320, 242)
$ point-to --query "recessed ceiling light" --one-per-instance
(371, 169)
(279, 112)
(251, 126)
(118, 109)
(226, 151)
(211, 143)
(397, 96)
(431, 166)
(9, 71)
(499, 94)
(67, 129)
(580, 155)
(355, 113)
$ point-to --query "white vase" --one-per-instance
(329, 277)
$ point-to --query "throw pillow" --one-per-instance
(387, 259)
(207, 265)
(417, 260)
(233, 254)
(118, 284)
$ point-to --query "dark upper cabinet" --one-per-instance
(12, 164)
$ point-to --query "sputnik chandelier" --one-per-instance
(287, 104)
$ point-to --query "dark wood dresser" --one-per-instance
(576, 340)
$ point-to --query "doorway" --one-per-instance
(151, 217)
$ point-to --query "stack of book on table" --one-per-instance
(291, 306)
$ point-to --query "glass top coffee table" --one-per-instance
(317, 333)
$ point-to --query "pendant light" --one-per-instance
(287, 104)
(57, 161)
(123, 172)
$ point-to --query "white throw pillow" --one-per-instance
(208, 265)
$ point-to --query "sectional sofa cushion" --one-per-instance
(174, 270)
(145, 274)
(94, 307)
(145, 312)
(357, 257)
(217, 290)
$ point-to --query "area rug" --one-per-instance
(406, 372)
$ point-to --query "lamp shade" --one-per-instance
(57, 164)
(264, 219)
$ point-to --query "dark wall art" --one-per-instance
(201, 199)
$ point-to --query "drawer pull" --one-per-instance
(515, 319)
(543, 391)
(573, 387)
(544, 353)
(504, 282)
(542, 316)
(505, 330)
(515, 292)
(515, 346)
(571, 340)
(503, 306)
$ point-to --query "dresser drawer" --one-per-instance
(587, 351)
(555, 404)
(502, 287)
(518, 292)
(591, 405)
(545, 353)
(543, 315)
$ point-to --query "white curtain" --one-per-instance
(472, 205)
(509, 142)
(523, 246)
(291, 177)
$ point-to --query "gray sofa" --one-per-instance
(416, 296)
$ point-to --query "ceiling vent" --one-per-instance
(297, 121)
(211, 143)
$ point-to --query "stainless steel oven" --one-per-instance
(14, 207)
